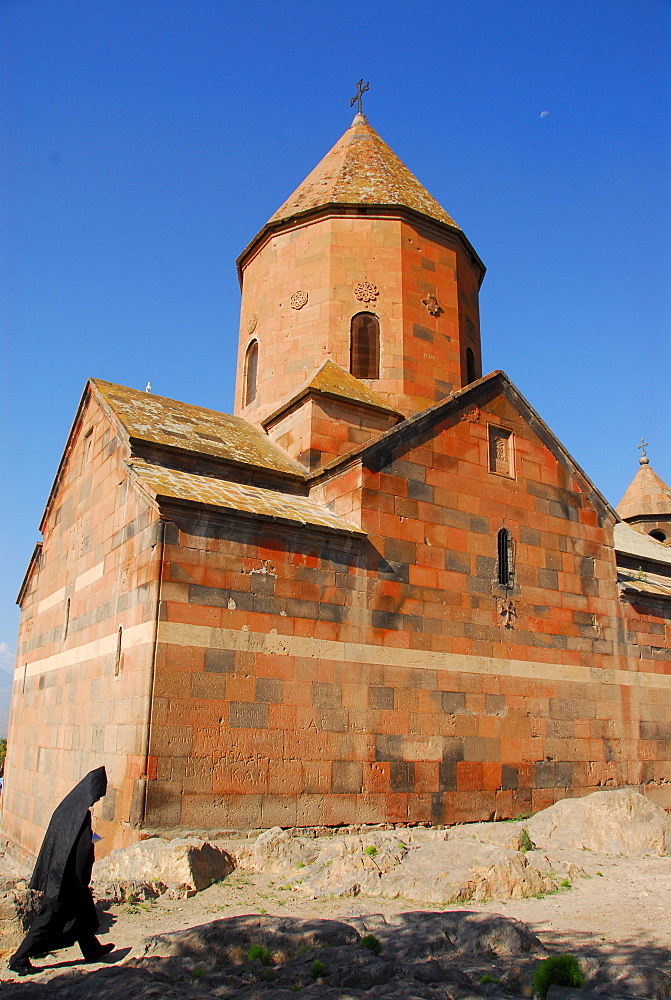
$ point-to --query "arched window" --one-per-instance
(505, 558)
(251, 372)
(659, 535)
(365, 346)
(471, 370)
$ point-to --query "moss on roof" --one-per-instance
(361, 169)
(243, 499)
(172, 424)
(333, 381)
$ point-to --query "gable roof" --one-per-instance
(631, 542)
(334, 382)
(174, 484)
(646, 496)
(361, 169)
(169, 423)
(419, 423)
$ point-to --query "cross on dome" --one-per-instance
(360, 91)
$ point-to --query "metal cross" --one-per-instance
(643, 445)
(359, 92)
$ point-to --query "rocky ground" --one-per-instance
(295, 914)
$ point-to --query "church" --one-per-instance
(382, 591)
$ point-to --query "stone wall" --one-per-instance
(302, 680)
(80, 695)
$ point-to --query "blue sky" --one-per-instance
(146, 142)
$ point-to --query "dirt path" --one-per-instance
(620, 912)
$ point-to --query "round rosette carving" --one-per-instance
(365, 291)
(251, 323)
(298, 300)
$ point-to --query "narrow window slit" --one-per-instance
(505, 558)
(117, 658)
(66, 620)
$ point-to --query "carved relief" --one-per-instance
(500, 451)
(365, 291)
(472, 415)
(432, 305)
(508, 613)
(298, 300)
(251, 323)
(470, 328)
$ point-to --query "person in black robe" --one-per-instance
(63, 872)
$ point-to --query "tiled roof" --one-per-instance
(361, 169)
(630, 542)
(639, 582)
(169, 423)
(332, 380)
(646, 496)
(270, 504)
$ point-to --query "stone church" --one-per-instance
(381, 592)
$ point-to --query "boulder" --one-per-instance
(459, 871)
(618, 822)
(417, 935)
(18, 909)
(183, 867)
(227, 941)
(505, 834)
(276, 851)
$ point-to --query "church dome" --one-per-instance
(646, 496)
(361, 169)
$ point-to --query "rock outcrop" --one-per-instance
(615, 822)
(150, 867)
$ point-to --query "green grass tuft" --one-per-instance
(526, 843)
(372, 943)
(371, 850)
(260, 952)
(318, 969)
(560, 970)
(483, 980)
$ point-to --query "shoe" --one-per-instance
(21, 966)
(104, 949)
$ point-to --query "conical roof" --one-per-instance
(646, 496)
(361, 169)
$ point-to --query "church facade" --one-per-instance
(381, 592)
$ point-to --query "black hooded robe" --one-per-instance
(63, 872)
